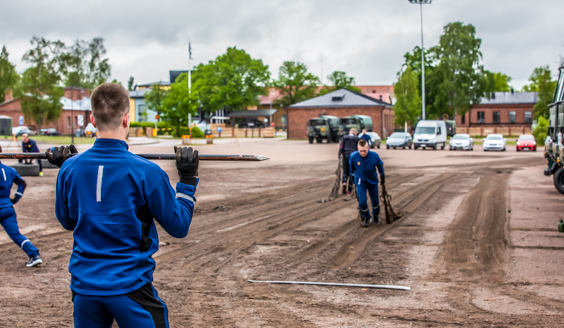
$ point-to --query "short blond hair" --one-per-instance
(353, 130)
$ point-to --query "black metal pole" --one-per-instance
(203, 157)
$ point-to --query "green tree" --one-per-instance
(155, 98)
(232, 81)
(84, 66)
(502, 82)
(339, 80)
(41, 82)
(177, 104)
(542, 82)
(408, 102)
(413, 61)
(295, 83)
(541, 130)
(8, 75)
(130, 84)
(458, 77)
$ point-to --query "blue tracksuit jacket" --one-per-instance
(365, 168)
(367, 138)
(30, 146)
(108, 197)
(9, 176)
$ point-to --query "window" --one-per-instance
(496, 117)
(528, 117)
(463, 119)
(68, 122)
(480, 117)
(512, 116)
(438, 130)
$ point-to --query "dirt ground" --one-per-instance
(478, 244)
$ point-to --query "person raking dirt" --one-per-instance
(347, 146)
(363, 164)
(109, 197)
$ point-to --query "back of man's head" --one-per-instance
(110, 101)
(353, 131)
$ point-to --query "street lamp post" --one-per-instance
(421, 3)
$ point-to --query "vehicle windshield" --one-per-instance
(425, 130)
(494, 138)
(316, 123)
(349, 121)
(526, 138)
(461, 137)
(397, 135)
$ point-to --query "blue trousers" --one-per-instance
(10, 224)
(372, 189)
(141, 308)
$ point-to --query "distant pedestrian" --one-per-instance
(346, 148)
(363, 165)
(30, 146)
(366, 137)
(8, 218)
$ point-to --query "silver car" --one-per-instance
(461, 141)
(374, 137)
(494, 142)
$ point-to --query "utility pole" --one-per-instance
(189, 73)
(72, 115)
(421, 3)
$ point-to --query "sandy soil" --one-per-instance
(478, 244)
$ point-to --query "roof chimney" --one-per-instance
(380, 97)
(8, 95)
(512, 91)
(493, 95)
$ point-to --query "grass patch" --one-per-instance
(57, 140)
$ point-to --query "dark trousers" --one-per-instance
(9, 222)
(30, 161)
(141, 308)
(347, 172)
(361, 189)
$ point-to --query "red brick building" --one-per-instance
(504, 111)
(75, 102)
(340, 103)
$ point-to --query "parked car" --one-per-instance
(252, 124)
(90, 130)
(19, 130)
(376, 141)
(50, 132)
(399, 139)
(431, 134)
(494, 142)
(461, 141)
(526, 142)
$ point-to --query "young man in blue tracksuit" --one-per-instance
(8, 218)
(30, 146)
(108, 197)
(366, 137)
(363, 164)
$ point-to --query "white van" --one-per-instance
(430, 134)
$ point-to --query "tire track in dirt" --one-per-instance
(351, 250)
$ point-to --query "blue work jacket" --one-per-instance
(30, 146)
(364, 168)
(8, 177)
(109, 197)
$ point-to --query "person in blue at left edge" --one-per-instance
(30, 146)
(363, 165)
(8, 218)
(108, 197)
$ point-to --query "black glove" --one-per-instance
(61, 154)
(382, 180)
(15, 199)
(187, 161)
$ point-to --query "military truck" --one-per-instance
(359, 122)
(553, 144)
(323, 127)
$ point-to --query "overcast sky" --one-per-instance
(366, 39)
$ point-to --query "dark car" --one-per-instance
(252, 124)
(399, 139)
(50, 132)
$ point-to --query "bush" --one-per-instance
(149, 125)
(541, 131)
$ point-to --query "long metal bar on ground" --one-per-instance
(203, 157)
(330, 284)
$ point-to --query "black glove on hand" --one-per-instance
(187, 161)
(382, 180)
(15, 200)
(61, 154)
